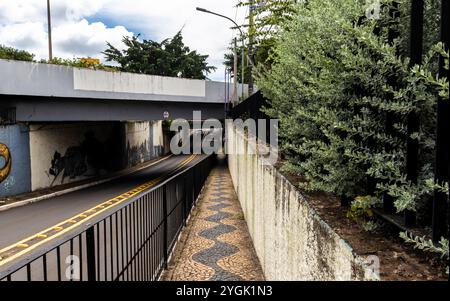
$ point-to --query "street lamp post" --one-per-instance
(49, 24)
(243, 46)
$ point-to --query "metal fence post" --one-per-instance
(416, 45)
(165, 229)
(185, 202)
(90, 254)
(440, 200)
(393, 34)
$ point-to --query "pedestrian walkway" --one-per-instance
(216, 244)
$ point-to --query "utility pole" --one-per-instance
(251, 29)
(49, 24)
(243, 45)
(235, 72)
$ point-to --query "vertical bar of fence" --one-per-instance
(416, 48)
(393, 34)
(440, 200)
(165, 230)
(186, 206)
(90, 254)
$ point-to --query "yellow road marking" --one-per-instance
(83, 216)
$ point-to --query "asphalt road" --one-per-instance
(19, 223)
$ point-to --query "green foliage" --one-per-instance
(335, 82)
(22, 55)
(268, 18)
(79, 63)
(361, 212)
(9, 53)
(427, 245)
(362, 206)
(168, 58)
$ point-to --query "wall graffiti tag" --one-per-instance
(6, 168)
(90, 155)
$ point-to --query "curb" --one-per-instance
(69, 190)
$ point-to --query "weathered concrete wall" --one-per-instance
(14, 160)
(159, 139)
(144, 141)
(139, 142)
(65, 153)
(291, 240)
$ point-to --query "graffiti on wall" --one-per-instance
(138, 153)
(6, 169)
(91, 155)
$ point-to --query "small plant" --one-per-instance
(370, 226)
(427, 245)
(361, 212)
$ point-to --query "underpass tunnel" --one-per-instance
(36, 156)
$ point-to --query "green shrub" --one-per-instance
(9, 53)
(335, 81)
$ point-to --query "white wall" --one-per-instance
(45, 140)
(120, 82)
(112, 146)
(292, 242)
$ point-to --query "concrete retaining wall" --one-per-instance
(291, 240)
(144, 141)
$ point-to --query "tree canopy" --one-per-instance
(268, 17)
(9, 53)
(167, 58)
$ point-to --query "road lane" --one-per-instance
(21, 222)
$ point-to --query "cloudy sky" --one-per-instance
(82, 27)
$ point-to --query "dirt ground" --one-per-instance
(398, 261)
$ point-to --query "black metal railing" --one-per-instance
(132, 243)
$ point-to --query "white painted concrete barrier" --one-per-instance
(291, 240)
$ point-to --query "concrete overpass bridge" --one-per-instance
(60, 125)
(51, 93)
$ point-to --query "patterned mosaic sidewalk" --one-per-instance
(216, 244)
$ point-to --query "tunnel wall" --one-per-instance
(65, 153)
(144, 141)
(14, 160)
(44, 155)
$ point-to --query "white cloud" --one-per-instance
(81, 39)
(23, 25)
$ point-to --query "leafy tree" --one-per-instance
(268, 18)
(10, 53)
(168, 58)
(335, 81)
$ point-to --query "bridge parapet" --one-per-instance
(36, 79)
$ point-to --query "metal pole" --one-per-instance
(250, 48)
(416, 45)
(243, 43)
(440, 201)
(90, 254)
(49, 24)
(225, 95)
(235, 71)
(243, 70)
